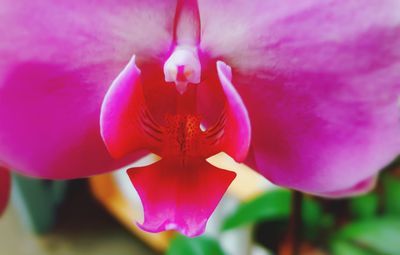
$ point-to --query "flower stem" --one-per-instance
(292, 242)
(296, 224)
(296, 221)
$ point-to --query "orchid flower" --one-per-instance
(303, 92)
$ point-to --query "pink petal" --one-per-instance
(237, 132)
(179, 198)
(360, 188)
(264, 31)
(121, 112)
(57, 61)
(320, 80)
(5, 185)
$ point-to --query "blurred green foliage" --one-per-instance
(276, 205)
(376, 236)
(182, 245)
(391, 194)
(375, 229)
(364, 207)
(270, 205)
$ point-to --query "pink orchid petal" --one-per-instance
(5, 186)
(265, 31)
(57, 61)
(320, 80)
(237, 132)
(323, 146)
(360, 188)
(121, 113)
(179, 198)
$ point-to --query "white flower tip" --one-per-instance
(183, 67)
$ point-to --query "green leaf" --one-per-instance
(313, 218)
(312, 212)
(364, 207)
(378, 236)
(182, 245)
(347, 248)
(391, 187)
(270, 205)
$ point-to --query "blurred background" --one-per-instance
(98, 215)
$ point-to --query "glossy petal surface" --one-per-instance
(237, 130)
(122, 113)
(5, 186)
(360, 188)
(57, 61)
(178, 197)
(320, 80)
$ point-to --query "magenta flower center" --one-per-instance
(133, 118)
